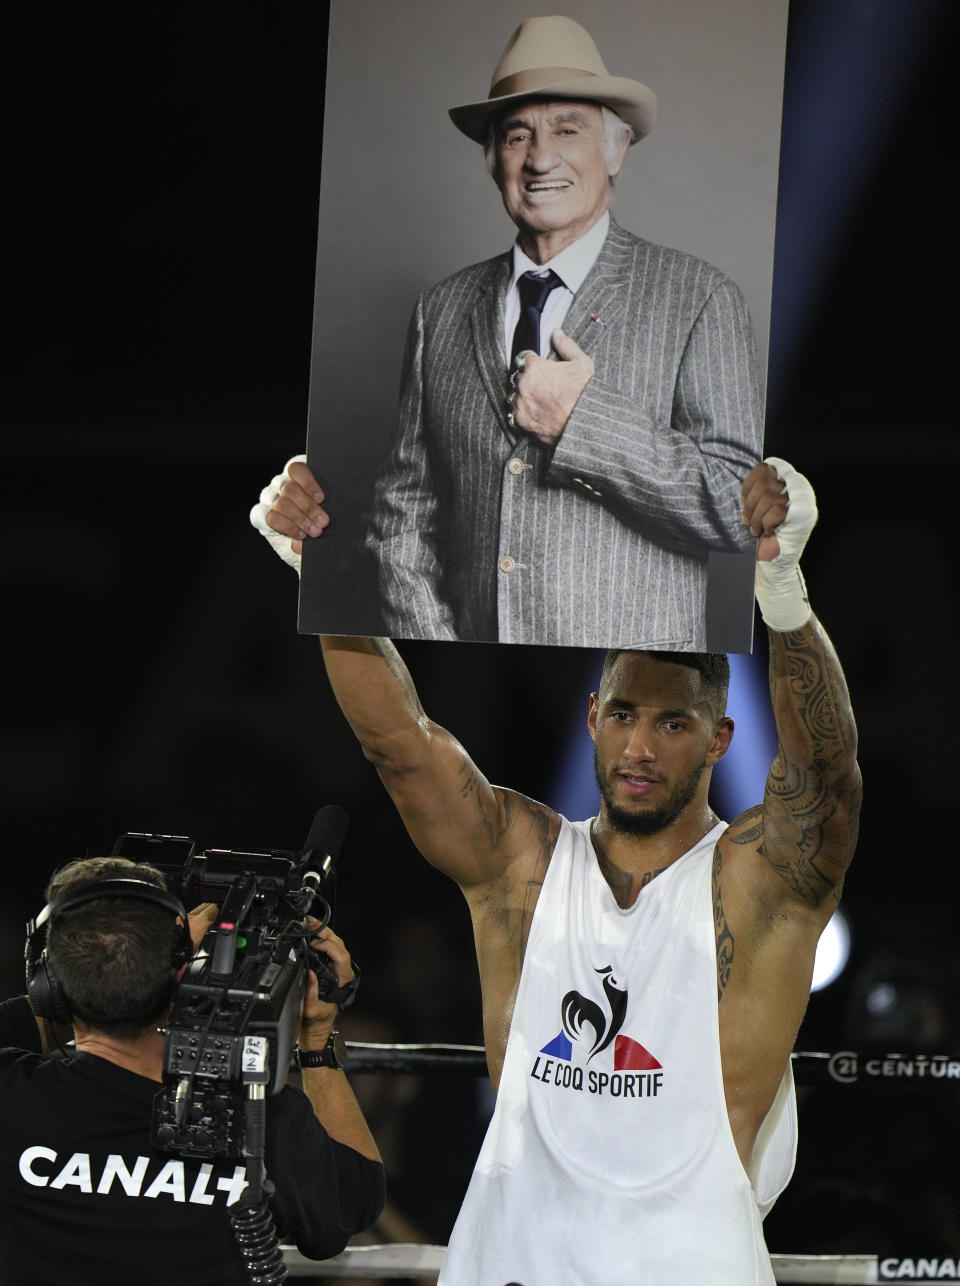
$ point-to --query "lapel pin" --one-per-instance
(596, 317)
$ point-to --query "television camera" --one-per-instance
(235, 1014)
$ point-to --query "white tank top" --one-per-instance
(610, 1160)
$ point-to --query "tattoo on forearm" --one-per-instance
(723, 935)
(812, 801)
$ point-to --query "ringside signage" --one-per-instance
(919, 1269)
(847, 1067)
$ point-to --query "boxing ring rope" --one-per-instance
(843, 1068)
(402, 1260)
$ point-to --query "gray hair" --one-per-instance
(616, 132)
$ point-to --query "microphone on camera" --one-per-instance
(322, 847)
(319, 853)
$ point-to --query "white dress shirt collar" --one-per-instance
(572, 264)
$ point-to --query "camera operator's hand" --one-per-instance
(327, 1088)
(318, 1016)
(199, 920)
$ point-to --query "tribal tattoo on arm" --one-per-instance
(722, 929)
(812, 799)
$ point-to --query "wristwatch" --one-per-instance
(333, 1054)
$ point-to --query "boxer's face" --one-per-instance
(552, 170)
(656, 737)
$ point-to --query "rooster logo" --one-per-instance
(581, 1016)
(578, 1011)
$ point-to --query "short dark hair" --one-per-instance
(713, 668)
(113, 957)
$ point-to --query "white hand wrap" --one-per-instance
(781, 591)
(258, 516)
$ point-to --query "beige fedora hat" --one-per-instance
(556, 57)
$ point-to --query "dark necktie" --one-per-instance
(534, 289)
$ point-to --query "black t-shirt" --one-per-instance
(84, 1196)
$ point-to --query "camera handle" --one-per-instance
(232, 913)
(328, 985)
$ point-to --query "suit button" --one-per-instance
(507, 563)
(515, 467)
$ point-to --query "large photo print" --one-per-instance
(542, 306)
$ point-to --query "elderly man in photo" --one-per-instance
(576, 415)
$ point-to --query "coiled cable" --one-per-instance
(256, 1236)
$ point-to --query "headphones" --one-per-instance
(46, 994)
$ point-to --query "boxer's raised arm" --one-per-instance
(461, 824)
(812, 798)
(468, 829)
(811, 803)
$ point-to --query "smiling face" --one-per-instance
(656, 737)
(553, 172)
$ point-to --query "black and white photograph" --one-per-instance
(461, 962)
(590, 497)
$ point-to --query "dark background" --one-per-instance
(162, 178)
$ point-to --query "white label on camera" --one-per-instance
(254, 1054)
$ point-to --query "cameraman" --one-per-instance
(83, 1192)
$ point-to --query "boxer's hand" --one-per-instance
(764, 500)
(545, 392)
(290, 507)
(773, 491)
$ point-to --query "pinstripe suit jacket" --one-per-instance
(482, 533)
